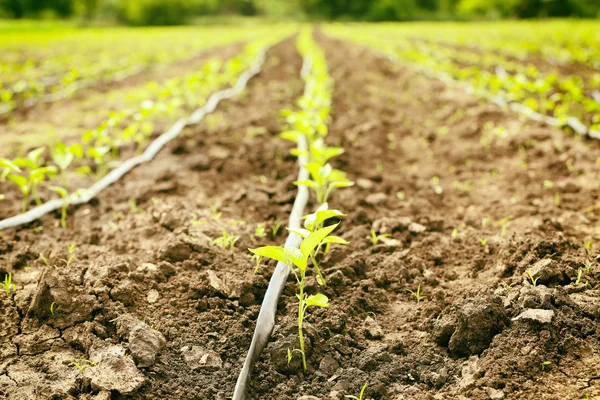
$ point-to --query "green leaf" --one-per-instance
(290, 135)
(77, 150)
(306, 182)
(34, 154)
(21, 181)
(326, 214)
(312, 241)
(62, 192)
(6, 163)
(25, 163)
(300, 232)
(334, 239)
(296, 257)
(317, 300)
(274, 252)
(341, 184)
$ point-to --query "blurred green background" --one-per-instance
(174, 12)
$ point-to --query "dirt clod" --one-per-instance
(469, 327)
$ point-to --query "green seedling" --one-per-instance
(417, 294)
(260, 231)
(483, 242)
(324, 179)
(588, 266)
(578, 279)
(84, 364)
(133, 208)
(275, 229)
(257, 259)
(454, 233)
(297, 260)
(587, 244)
(7, 285)
(545, 365)
(71, 250)
(226, 241)
(52, 307)
(531, 278)
(375, 238)
(36, 174)
(216, 214)
(360, 396)
(507, 286)
(63, 156)
(43, 258)
(197, 221)
(62, 192)
(314, 222)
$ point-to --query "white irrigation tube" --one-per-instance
(146, 156)
(573, 122)
(266, 317)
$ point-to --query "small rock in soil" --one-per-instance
(308, 398)
(144, 342)
(372, 329)
(364, 183)
(198, 358)
(547, 272)
(495, 394)
(538, 315)
(113, 371)
(153, 296)
(376, 199)
(328, 366)
(416, 228)
(469, 327)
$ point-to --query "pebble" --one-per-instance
(198, 358)
(375, 199)
(534, 314)
(153, 296)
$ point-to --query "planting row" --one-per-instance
(565, 97)
(310, 241)
(40, 70)
(64, 168)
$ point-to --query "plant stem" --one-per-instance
(301, 318)
(320, 279)
(34, 192)
(63, 215)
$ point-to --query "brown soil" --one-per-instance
(168, 315)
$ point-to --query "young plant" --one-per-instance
(531, 278)
(360, 396)
(71, 250)
(375, 238)
(226, 241)
(324, 179)
(417, 294)
(7, 285)
(260, 231)
(587, 244)
(314, 222)
(62, 192)
(297, 260)
(63, 156)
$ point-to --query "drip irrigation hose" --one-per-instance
(266, 317)
(573, 122)
(150, 152)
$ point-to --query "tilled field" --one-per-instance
(495, 231)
